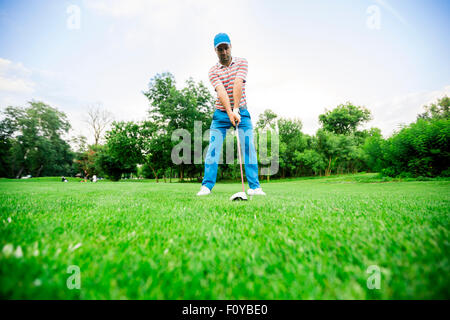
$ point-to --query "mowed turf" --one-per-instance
(308, 239)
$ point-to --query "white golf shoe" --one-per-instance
(256, 192)
(204, 191)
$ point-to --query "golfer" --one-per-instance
(228, 78)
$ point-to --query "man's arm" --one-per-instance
(223, 98)
(241, 75)
(237, 92)
(225, 101)
(222, 95)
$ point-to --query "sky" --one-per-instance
(305, 57)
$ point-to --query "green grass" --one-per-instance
(308, 239)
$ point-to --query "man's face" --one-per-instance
(224, 53)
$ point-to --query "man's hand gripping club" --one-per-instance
(235, 117)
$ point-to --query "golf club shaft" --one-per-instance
(240, 157)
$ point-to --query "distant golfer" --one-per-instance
(228, 78)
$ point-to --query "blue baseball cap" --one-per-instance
(221, 38)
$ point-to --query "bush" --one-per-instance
(111, 167)
(373, 152)
(445, 173)
(147, 172)
(311, 161)
(420, 149)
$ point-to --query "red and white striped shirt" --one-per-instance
(220, 74)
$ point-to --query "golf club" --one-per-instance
(240, 195)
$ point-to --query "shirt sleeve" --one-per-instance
(243, 70)
(214, 78)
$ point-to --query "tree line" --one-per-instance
(32, 141)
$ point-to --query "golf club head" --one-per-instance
(239, 196)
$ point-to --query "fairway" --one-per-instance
(308, 239)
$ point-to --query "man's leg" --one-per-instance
(248, 149)
(217, 135)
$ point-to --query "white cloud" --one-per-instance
(20, 84)
(390, 114)
(15, 78)
(17, 69)
(16, 85)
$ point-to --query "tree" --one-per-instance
(35, 143)
(339, 150)
(86, 163)
(438, 110)
(79, 143)
(344, 119)
(98, 119)
(172, 109)
(110, 166)
(6, 143)
(124, 142)
(419, 149)
(373, 150)
(292, 140)
(156, 149)
(327, 144)
(267, 141)
(311, 160)
(267, 120)
(129, 143)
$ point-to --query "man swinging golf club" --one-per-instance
(228, 78)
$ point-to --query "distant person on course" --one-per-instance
(228, 77)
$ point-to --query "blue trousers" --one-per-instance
(218, 131)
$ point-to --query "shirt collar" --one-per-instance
(222, 66)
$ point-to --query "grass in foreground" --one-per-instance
(308, 239)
